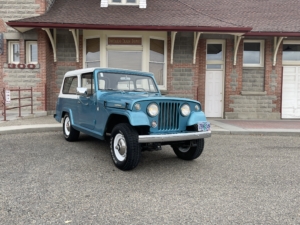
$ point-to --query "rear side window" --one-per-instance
(70, 85)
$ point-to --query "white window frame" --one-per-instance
(10, 52)
(123, 2)
(164, 86)
(28, 52)
(216, 62)
(288, 62)
(262, 53)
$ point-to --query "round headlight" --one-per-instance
(137, 106)
(152, 109)
(185, 110)
(197, 107)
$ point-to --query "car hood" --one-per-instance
(128, 99)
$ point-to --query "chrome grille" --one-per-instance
(168, 116)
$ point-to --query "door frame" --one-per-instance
(223, 62)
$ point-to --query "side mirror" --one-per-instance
(81, 90)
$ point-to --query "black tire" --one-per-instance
(70, 133)
(189, 150)
(124, 147)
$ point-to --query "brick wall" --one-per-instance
(252, 93)
(24, 78)
(66, 61)
(16, 9)
(65, 46)
(182, 75)
(253, 79)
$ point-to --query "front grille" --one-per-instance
(168, 116)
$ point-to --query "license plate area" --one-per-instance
(203, 126)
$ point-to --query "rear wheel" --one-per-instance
(124, 147)
(70, 133)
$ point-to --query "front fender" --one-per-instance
(196, 117)
(138, 119)
(135, 118)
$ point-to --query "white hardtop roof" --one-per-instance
(89, 70)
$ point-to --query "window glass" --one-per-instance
(252, 53)
(158, 70)
(126, 82)
(92, 56)
(33, 53)
(131, 1)
(15, 52)
(157, 58)
(70, 85)
(214, 52)
(291, 52)
(214, 66)
(116, 1)
(157, 50)
(131, 60)
(87, 81)
(125, 85)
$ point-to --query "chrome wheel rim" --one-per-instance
(185, 147)
(120, 147)
(67, 126)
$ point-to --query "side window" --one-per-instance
(92, 57)
(13, 52)
(70, 85)
(87, 81)
(157, 60)
(253, 55)
(31, 52)
(291, 52)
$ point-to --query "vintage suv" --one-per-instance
(127, 107)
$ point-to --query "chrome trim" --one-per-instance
(173, 137)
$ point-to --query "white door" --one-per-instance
(215, 64)
(291, 92)
(214, 93)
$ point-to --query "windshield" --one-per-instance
(126, 82)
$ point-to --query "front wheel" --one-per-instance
(70, 133)
(124, 147)
(189, 150)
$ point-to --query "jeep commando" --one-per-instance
(127, 108)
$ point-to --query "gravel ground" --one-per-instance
(237, 180)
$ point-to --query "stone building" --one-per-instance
(239, 58)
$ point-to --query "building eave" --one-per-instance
(22, 25)
(273, 34)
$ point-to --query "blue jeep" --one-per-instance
(127, 107)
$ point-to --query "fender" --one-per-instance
(135, 118)
(196, 117)
(138, 119)
(69, 111)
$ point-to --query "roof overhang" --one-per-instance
(274, 34)
(23, 26)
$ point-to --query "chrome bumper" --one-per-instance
(152, 138)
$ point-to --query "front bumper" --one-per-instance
(173, 137)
